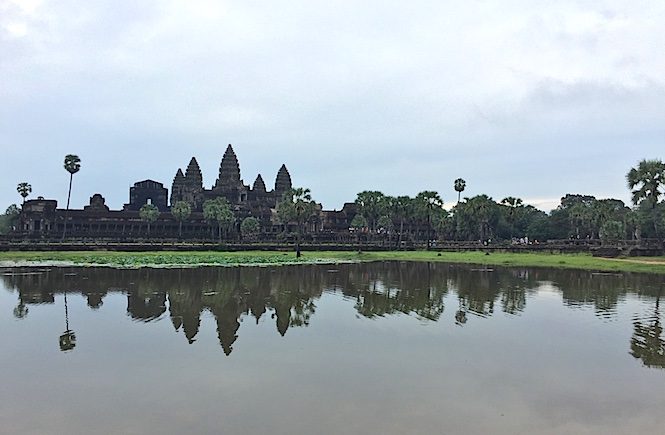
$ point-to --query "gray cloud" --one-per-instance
(522, 98)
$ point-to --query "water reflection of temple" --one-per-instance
(287, 296)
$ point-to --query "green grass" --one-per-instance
(192, 259)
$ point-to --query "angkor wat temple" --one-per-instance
(41, 218)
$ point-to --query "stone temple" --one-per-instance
(42, 218)
(189, 186)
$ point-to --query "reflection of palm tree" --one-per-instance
(21, 310)
(68, 338)
(460, 315)
(647, 343)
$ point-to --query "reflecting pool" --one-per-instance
(385, 348)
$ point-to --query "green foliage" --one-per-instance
(149, 213)
(612, 231)
(385, 224)
(181, 211)
(358, 222)
(136, 260)
(650, 220)
(9, 219)
(250, 227)
(539, 227)
(476, 218)
(427, 204)
(296, 206)
(219, 211)
(372, 204)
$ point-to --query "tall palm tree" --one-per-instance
(646, 183)
(512, 204)
(149, 213)
(427, 202)
(460, 184)
(24, 190)
(72, 165)
(181, 211)
(297, 206)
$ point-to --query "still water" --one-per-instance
(385, 348)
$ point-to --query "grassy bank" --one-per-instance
(193, 259)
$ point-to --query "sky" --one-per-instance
(526, 98)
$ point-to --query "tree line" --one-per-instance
(424, 218)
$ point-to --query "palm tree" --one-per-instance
(371, 204)
(149, 213)
(512, 204)
(218, 211)
(460, 184)
(181, 211)
(401, 207)
(650, 177)
(426, 203)
(24, 190)
(72, 165)
(358, 223)
(647, 180)
(296, 205)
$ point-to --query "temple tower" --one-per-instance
(188, 187)
(282, 182)
(259, 186)
(229, 171)
(193, 176)
(177, 187)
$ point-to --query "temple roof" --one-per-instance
(259, 184)
(229, 169)
(283, 180)
(193, 173)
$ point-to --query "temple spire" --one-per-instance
(283, 181)
(229, 170)
(179, 178)
(259, 185)
(193, 174)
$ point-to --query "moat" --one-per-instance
(385, 347)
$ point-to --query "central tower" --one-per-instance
(229, 171)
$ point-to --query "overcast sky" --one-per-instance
(525, 98)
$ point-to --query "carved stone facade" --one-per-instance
(254, 201)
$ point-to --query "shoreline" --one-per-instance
(194, 259)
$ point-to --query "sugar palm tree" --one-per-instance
(149, 213)
(646, 182)
(649, 176)
(296, 206)
(460, 185)
(219, 211)
(181, 211)
(512, 204)
(427, 202)
(72, 165)
(24, 190)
